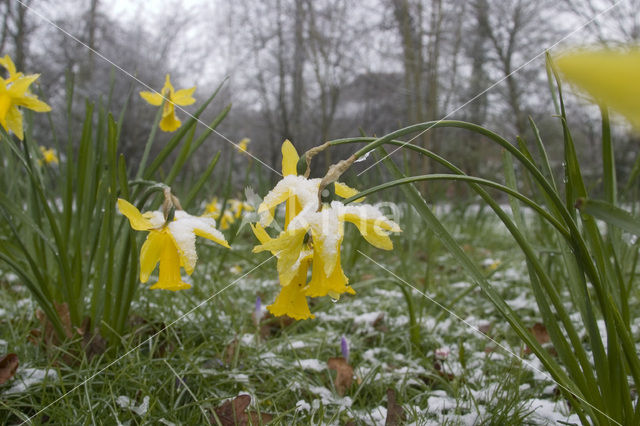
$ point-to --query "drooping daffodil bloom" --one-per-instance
(609, 76)
(172, 244)
(49, 155)
(312, 237)
(169, 98)
(14, 93)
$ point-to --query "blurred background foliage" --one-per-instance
(312, 71)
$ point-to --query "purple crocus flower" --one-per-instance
(258, 310)
(344, 345)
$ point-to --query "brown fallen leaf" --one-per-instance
(540, 332)
(270, 326)
(395, 412)
(232, 413)
(8, 366)
(485, 328)
(344, 378)
(379, 323)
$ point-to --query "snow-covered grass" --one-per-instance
(457, 375)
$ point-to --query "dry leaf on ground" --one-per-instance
(232, 413)
(8, 366)
(344, 378)
(540, 332)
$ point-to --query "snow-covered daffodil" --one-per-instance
(170, 244)
(312, 237)
(169, 98)
(609, 76)
(49, 155)
(14, 93)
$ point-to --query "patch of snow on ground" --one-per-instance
(377, 416)
(523, 301)
(440, 401)
(367, 318)
(126, 403)
(248, 339)
(297, 344)
(240, 377)
(328, 398)
(312, 364)
(27, 377)
(548, 411)
(303, 405)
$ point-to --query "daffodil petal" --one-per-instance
(213, 235)
(289, 159)
(371, 231)
(152, 97)
(136, 219)
(150, 253)
(365, 212)
(14, 121)
(21, 85)
(8, 64)
(184, 97)
(33, 103)
(260, 233)
(345, 191)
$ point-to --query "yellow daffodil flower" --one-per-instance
(13, 94)
(49, 155)
(169, 98)
(242, 145)
(8, 64)
(292, 272)
(172, 245)
(295, 251)
(609, 76)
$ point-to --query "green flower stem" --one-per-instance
(150, 139)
